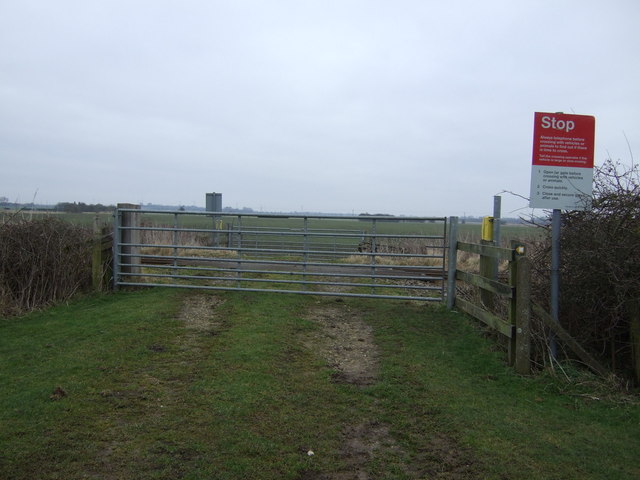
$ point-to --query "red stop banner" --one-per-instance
(563, 140)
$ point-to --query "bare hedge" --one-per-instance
(42, 262)
(600, 268)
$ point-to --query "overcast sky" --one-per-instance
(411, 107)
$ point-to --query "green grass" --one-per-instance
(148, 398)
(516, 427)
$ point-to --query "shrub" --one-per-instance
(600, 267)
(42, 262)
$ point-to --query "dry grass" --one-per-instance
(188, 252)
(401, 251)
(171, 237)
(185, 239)
(365, 259)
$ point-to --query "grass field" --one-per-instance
(467, 231)
(165, 384)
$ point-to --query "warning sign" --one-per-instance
(562, 167)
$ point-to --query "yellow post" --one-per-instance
(487, 229)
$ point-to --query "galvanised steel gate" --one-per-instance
(357, 256)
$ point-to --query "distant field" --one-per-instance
(466, 231)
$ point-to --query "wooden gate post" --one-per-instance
(520, 282)
(523, 316)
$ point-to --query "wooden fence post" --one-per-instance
(523, 316)
(517, 253)
(513, 307)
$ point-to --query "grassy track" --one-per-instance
(161, 384)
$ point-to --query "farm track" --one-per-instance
(166, 384)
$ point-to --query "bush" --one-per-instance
(600, 267)
(42, 262)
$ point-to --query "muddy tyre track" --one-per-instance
(347, 344)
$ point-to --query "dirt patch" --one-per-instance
(346, 342)
(199, 316)
(444, 458)
(362, 444)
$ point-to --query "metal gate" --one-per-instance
(356, 256)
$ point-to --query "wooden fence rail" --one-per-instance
(569, 341)
(516, 327)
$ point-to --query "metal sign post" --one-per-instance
(561, 179)
(555, 277)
